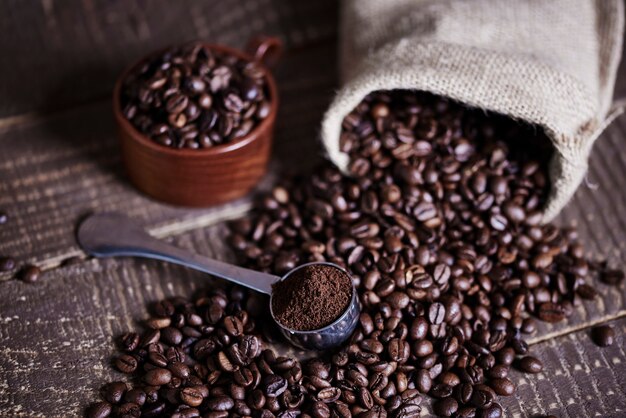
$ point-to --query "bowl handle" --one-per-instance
(265, 49)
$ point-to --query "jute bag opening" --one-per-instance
(548, 63)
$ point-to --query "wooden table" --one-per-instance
(59, 160)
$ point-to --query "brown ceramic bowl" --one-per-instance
(201, 177)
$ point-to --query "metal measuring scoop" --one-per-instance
(107, 235)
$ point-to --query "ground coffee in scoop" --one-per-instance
(311, 297)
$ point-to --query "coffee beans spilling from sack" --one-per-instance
(194, 97)
(439, 224)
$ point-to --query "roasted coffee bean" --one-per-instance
(3, 217)
(446, 407)
(274, 385)
(114, 392)
(492, 411)
(99, 410)
(530, 364)
(129, 341)
(466, 412)
(502, 386)
(423, 381)
(136, 396)
(320, 410)
(551, 312)
(612, 277)
(603, 335)
(7, 264)
(220, 403)
(128, 409)
(30, 274)
(183, 100)
(126, 363)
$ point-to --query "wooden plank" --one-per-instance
(56, 169)
(64, 53)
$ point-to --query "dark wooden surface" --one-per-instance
(59, 160)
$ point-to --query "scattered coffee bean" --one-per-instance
(6, 264)
(603, 335)
(530, 364)
(612, 277)
(446, 407)
(30, 274)
(193, 97)
(114, 392)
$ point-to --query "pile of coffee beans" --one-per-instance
(311, 297)
(194, 97)
(438, 223)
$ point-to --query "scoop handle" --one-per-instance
(112, 235)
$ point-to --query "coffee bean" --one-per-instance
(612, 277)
(114, 392)
(530, 364)
(158, 377)
(436, 313)
(136, 396)
(129, 341)
(502, 386)
(551, 312)
(220, 403)
(493, 411)
(126, 363)
(320, 410)
(171, 336)
(603, 335)
(422, 348)
(466, 412)
(7, 264)
(4, 218)
(99, 410)
(30, 274)
(191, 396)
(274, 386)
(179, 369)
(446, 407)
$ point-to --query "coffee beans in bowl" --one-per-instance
(196, 121)
(311, 297)
(195, 97)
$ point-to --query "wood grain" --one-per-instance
(66, 53)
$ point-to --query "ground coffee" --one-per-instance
(311, 297)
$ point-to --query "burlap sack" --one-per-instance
(548, 62)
